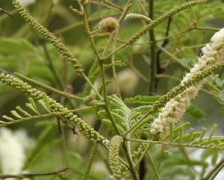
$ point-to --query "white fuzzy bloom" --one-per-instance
(13, 146)
(127, 81)
(26, 2)
(213, 52)
(100, 167)
(55, 1)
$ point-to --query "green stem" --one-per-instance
(153, 64)
(112, 35)
(106, 107)
(88, 31)
(115, 74)
(215, 171)
(117, 8)
(178, 144)
(52, 67)
(130, 64)
(153, 166)
(32, 175)
(37, 117)
(154, 23)
(172, 57)
(46, 87)
(174, 92)
(71, 119)
(130, 162)
(90, 161)
(165, 76)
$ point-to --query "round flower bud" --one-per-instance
(108, 25)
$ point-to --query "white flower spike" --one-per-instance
(213, 52)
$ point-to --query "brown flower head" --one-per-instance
(108, 25)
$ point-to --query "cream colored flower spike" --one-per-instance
(213, 52)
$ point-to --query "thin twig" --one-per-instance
(31, 175)
(46, 87)
(4, 11)
(165, 42)
(213, 173)
(154, 23)
(174, 144)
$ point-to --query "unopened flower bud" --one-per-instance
(108, 25)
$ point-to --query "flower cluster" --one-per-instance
(68, 118)
(13, 149)
(49, 37)
(115, 163)
(174, 109)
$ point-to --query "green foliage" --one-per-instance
(32, 111)
(106, 108)
(123, 116)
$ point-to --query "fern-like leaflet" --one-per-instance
(33, 110)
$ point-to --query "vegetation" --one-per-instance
(111, 89)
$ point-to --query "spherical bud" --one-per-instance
(108, 25)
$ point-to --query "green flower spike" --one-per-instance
(115, 163)
(68, 118)
(45, 34)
